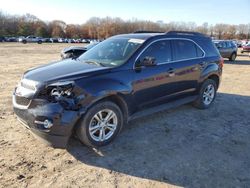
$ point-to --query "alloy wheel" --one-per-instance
(208, 94)
(103, 125)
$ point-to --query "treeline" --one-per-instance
(101, 28)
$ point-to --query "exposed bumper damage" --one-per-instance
(49, 121)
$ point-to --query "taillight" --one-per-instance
(221, 62)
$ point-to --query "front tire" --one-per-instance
(100, 125)
(207, 94)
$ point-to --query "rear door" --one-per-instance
(231, 48)
(187, 64)
(223, 49)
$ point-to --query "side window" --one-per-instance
(185, 49)
(160, 50)
(200, 53)
(229, 44)
(224, 45)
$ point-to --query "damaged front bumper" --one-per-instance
(49, 121)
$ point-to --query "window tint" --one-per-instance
(223, 44)
(233, 44)
(160, 50)
(184, 49)
(200, 53)
(229, 45)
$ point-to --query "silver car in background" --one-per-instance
(227, 48)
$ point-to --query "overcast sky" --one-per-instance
(78, 11)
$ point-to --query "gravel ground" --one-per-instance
(183, 147)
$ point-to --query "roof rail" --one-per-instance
(185, 33)
(148, 31)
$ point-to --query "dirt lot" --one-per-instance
(181, 147)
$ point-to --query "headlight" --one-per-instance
(62, 89)
(67, 93)
(62, 92)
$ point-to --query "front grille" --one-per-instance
(22, 100)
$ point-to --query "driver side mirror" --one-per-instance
(148, 62)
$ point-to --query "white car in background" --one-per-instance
(31, 39)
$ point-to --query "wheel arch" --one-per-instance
(211, 72)
(116, 98)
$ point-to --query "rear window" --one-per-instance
(185, 49)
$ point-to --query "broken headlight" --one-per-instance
(61, 89)
(62, 92)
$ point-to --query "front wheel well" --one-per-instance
(119, 101)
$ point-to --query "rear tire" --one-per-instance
(100, 125)
(232, 57)
(207, 94)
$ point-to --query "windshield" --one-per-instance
(111, 52)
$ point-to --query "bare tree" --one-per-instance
(219, 30)
(101, 28)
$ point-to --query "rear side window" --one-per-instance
(185, 49)
(229, 45)
(224, 45)
(199, 52)
(209, 47)
(160, 50)
(233, 45)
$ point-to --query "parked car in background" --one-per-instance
(11, 39)
(2, 39)
(246, 48)
(61, 40)
(54, 40)
(227, 49)
(70, 41)
(31, 39)
(244, 42)
(47, 40)
(239, 44)
(75, 51)
(122, 78)
(85, 41)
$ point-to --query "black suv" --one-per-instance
(120, 79)
(227, 49)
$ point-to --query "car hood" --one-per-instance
(62, 70)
